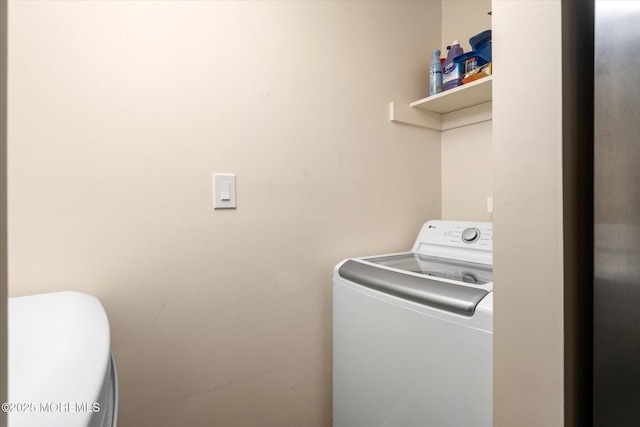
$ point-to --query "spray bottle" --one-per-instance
(435, 74)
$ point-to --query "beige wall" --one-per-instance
(528, 257)
(119, 114)
(3, 209)
(466, 152)
(467, 172)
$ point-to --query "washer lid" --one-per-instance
(459, 271)
(59, 352)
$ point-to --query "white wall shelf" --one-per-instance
(462, 106)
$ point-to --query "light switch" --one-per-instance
(224, 191)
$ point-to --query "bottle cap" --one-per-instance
(455, 42)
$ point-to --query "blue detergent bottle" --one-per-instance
(452, 73)
(435, 74)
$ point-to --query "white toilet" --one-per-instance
(61, 370)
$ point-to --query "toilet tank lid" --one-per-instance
(59, 349)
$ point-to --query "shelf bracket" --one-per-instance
(403, 113)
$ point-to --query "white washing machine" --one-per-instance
(413, 332)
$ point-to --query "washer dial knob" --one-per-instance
(470, 235)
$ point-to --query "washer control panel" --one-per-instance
(471, 241)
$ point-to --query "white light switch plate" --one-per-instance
(224, 191)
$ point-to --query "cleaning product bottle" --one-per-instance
(435, 74)
(452, 73)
